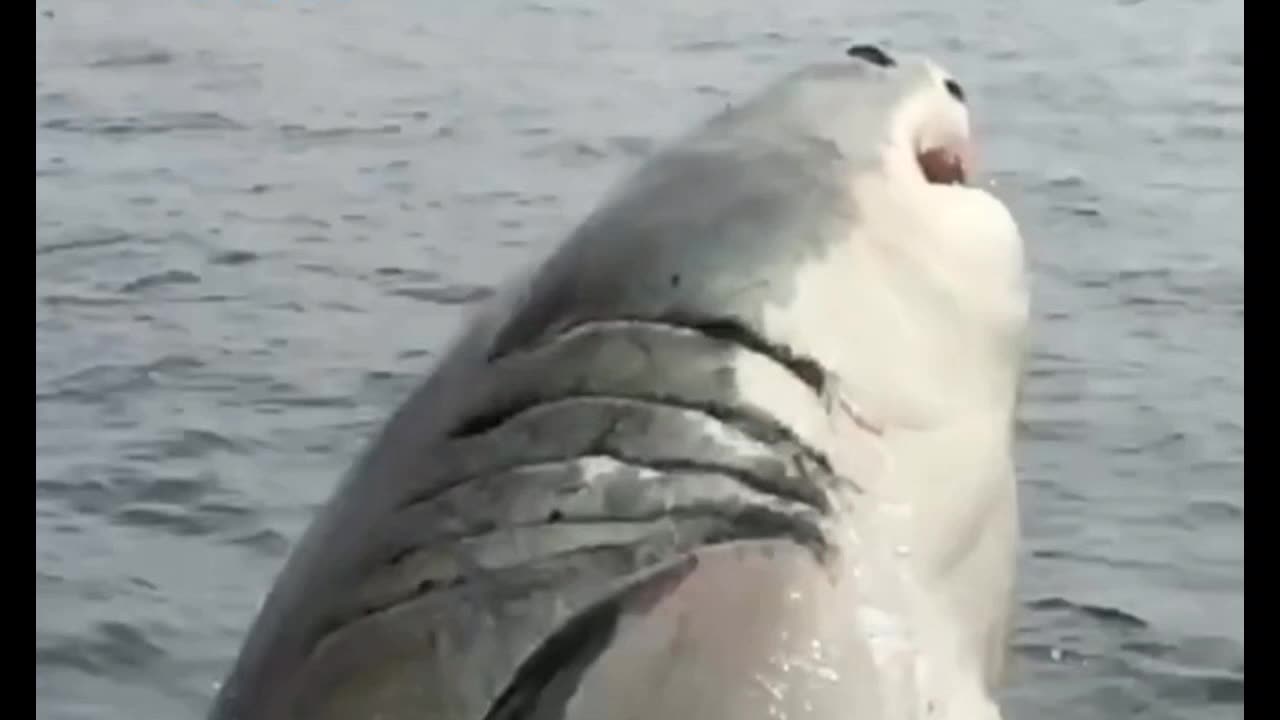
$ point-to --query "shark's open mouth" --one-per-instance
(946, 164)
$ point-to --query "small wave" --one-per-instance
(489, 196)
(701, 46)
(339, 306)
(1055, 430)
(284, 396)
(175, 505)
(1150, 648)
(1187, 684)
(106, 648)
(319, 269)
(159, 517)
(1081, 211)
(83, 301)
(448, 294)
(386, 60)
(570, 152)
(96, 382)
(168, 277)
(337, 133)
(712, 91)
(143, 583)
(293, 219)
(1093, 559)
(152, 57)
(415, 115)
(331, 401)
(1215, 510)
(104, 490)
(408, 274)
(83, 244)
(393, 166)
(88, 497)
(150, 125)
(1051, 653)
(234, 257)
(266, 541)
(203, 519)
(387, 384)
(633, 145)
(1101, 613)
(1065, 181)
(1209, 131)
(188, 444)
(55, 98)
(1166, 440)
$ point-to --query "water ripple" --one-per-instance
(148, 125)
(108, 648)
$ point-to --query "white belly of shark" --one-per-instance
(740, 448)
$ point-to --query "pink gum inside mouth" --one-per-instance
(946, 164)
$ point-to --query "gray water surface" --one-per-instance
(256, 222)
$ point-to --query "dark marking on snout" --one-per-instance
(954, 88)
(871, 54)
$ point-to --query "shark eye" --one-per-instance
(871, 54)
(954, 88)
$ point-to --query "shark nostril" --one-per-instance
(871, 54)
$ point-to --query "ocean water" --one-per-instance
(257, 221)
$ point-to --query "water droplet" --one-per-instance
(1056, 654)
(773, 689)
(827, 674)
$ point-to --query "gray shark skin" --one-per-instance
(632, 470)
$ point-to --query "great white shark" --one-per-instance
(742, 446)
